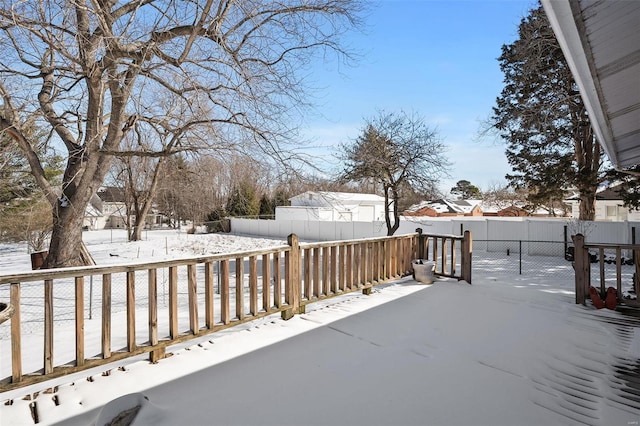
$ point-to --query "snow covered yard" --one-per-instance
(506, 350)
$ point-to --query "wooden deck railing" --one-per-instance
(203, 295)
(582, 267)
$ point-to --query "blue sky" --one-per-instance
(435, 58)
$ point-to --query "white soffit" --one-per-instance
(601, 41)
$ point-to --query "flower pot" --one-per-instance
(423, 271)
(38, 258)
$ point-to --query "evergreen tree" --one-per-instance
(267, 207)
(243, 201)
(465, 190)
(540, 114)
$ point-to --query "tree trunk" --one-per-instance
(587, 204)
(396, 214)
(141, 211)
(66, 238)
(392, 227)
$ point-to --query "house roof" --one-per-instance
(609, 191)
(340, 197)
(445, 206)
(111, 194)
(600, 41)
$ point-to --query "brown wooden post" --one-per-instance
(453, 257)
(79, 294)
(333, 267)
(209, 295)
(253, 285)
(157, 354)
(48, 326)
(420, 254)
(277, 281)
(349, 266)
(192, 297)
(16, 340)
(224, 291)
(307, 274)
(106, 316)
(342, 267)
(601, 261)
(356, 265)
(435, 251)
(581, 267)
(376, 261)
(467, 256)
(173, 302)
(292, 282)
(373, 262)
(325, 271)
(152, 283)
(364, 261)
(153, 306)
(131, 311)
(240, 288)
(316, 272)
(443, 260)
(266, 282)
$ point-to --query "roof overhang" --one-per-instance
(601, 42)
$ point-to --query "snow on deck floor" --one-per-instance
(494, 353)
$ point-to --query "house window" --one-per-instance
(612, 212)
(616, 213)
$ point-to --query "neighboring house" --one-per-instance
(445, 208)
(333, 206)
(502, 210)
(113, 206)
(93, 217)
(609, 206)
(453, 208)
(107, 210)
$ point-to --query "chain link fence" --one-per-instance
(552, 260)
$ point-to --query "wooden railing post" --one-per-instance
(467, 256)
(79, 314)
(581, 267)
(16, 340)
(292, 277)
(420, 243)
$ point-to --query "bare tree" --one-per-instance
(502, 195)
(396, 150)
(88, 71)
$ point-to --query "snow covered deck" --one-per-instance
(496, 353)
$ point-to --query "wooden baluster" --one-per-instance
(277, 281)
(333, 261)
(192, 296)
(240, 288)
(224, 291)
(16, 335)
(153, 306)
(173, 302)
(131, 311)
(209, 291)
(266, 282)
(48, 326)
(79, 317)
(106, 316)
(316, 272)
(307, 274)
(253, 285)
(325, 271)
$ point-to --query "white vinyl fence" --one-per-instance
(486, 231)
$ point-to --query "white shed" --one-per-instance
(333, 206)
